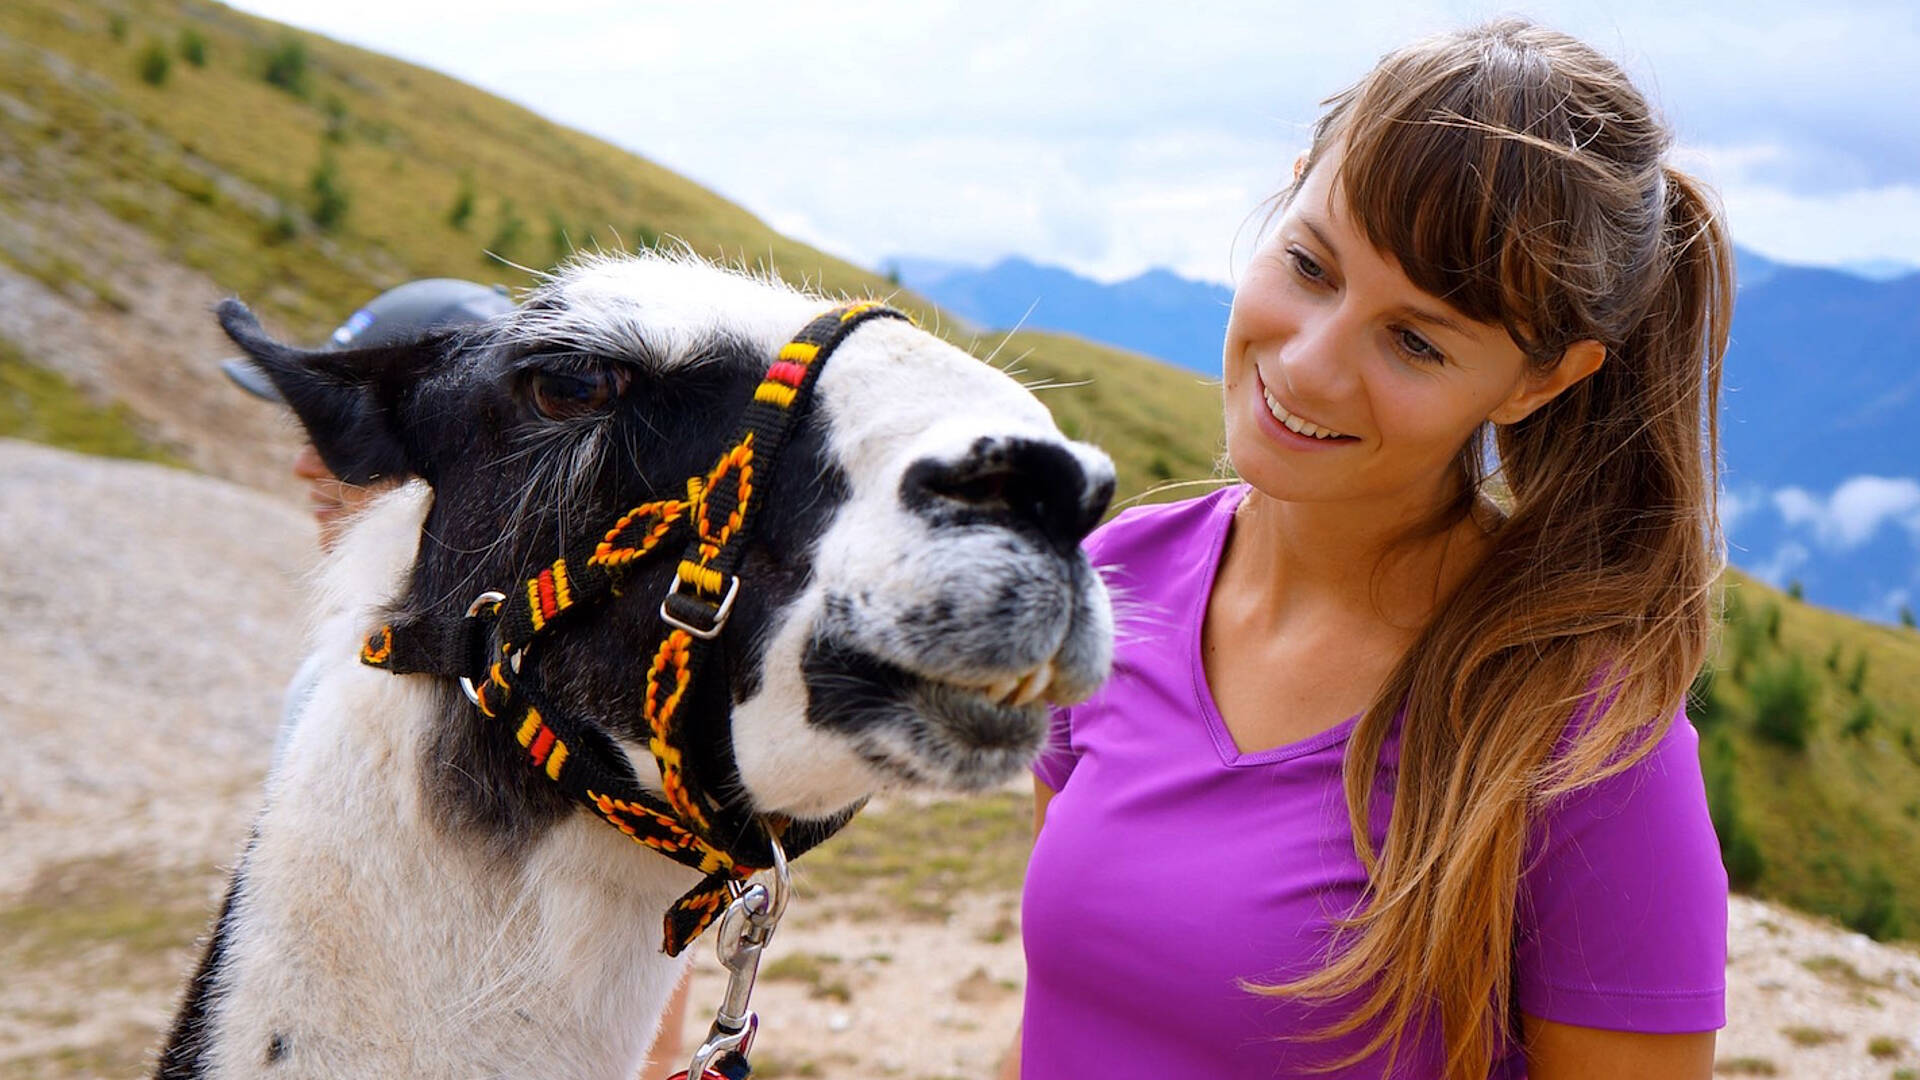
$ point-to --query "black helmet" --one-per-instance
(399, 314)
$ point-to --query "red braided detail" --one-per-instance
(786, 372)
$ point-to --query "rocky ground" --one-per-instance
(150, 616)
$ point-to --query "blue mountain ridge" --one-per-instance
(1822, 384)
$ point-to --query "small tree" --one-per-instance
(328, 195)
(1860, 720)
(559, 240)
(1857, 678)
(193, 47)
(155, 64)
(1773, 623)
(336, 111)
(117, 26)
(1783, 694)
(462, 210)
(1795, 590)
(508, 233)
(286, 66)
(1906, 616)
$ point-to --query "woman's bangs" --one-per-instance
(1450, 201)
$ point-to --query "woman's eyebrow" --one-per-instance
(1435, 318)
(1425, 315)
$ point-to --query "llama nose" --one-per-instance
(1022, 483)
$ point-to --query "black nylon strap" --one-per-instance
(720, 838)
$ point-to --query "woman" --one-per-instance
(1499, 863)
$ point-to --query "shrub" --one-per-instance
(1773, 623)
(117, 26)
(155, 64)
(1857, 678)
(1859, 720)
(283, 227)
(1705, 707)
(1739, 848)
(1795, 590)
(286, 66)
(1783, 694)
(508, 233)
(336, 111)
(462, 211)
(193, 47)
(645, 237)
(559, 242)
(329, 196)
(1886, 1046)
(1746, 637)
(1906, 616)
(1877, 913)
(1833, 658)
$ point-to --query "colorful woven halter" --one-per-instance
(491, 647)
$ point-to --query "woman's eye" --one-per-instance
(1305, 266)
(1416, 346)
(577, 392)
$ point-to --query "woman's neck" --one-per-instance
(1295, 560)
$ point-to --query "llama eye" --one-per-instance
(574, 392)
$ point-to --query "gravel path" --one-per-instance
(152, 617)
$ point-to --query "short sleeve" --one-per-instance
(1622, 916)
(1058, 757)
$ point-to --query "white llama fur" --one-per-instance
(366, 940)
(371, 946)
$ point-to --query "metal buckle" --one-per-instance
(719, 615)
(490, 598)
(744, 931)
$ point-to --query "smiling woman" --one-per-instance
(1392, 777)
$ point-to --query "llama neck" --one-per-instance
(367, 937)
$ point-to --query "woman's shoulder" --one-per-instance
(1160, 530)
(1624, 899)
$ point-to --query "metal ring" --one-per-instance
(782, 887)
(494, 599)
(719, 616)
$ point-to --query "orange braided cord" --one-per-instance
(378, 648)
(671, 660)
(739, 458)
(666, 834)
(655, 519)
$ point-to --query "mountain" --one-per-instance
(1822, 389)
(1158, 313)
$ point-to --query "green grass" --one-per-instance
(916, 861)
(40, 406)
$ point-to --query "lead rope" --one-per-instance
(744, 931)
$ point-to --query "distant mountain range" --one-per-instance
(1820, 426)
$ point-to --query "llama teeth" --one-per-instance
(1000, 689)
(1033, 685)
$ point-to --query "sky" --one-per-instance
(1110, 136)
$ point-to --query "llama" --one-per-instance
(417, 899)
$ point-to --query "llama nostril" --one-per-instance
(1018, 482)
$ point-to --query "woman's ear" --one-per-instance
(1300, 166)
(1581, 359)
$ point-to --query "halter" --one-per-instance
(489, 649)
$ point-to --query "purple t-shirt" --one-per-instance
(1172, 866)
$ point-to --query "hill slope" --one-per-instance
(127, 206)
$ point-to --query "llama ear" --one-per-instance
(349, 400)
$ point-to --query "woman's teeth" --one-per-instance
(1297, 425)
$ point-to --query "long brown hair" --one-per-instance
(1517, 174)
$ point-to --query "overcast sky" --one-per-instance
(1111, 136)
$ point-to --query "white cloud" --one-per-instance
(1856, 510)
(1787, 558)
(1109, 137)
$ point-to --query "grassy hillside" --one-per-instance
(306, 175)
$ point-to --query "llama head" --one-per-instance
(913, 591)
